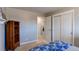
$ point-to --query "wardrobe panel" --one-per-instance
(12, 35)
(56, 27)
(66, 27)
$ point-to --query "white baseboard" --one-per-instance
(27, 42)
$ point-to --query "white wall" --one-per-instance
(2, 34)
(2, 37)
(28, 23)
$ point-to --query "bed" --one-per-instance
(55, 46)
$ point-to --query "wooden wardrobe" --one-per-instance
(12, 35)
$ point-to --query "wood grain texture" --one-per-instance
(12, 35)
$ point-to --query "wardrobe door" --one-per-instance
(56, 27)
(48, 29)
(66, 28)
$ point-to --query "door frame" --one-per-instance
(73, 22)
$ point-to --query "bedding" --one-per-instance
(72, 48)
(52, 46)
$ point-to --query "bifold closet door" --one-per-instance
(48, 29)
(66, 28)
(56, 27)
(63, 27)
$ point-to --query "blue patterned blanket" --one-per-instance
(52, 46)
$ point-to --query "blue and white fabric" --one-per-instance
(52, 46)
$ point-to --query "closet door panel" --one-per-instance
(56, 27)
(48, 29)
(66, 28)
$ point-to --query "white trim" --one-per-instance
(73, 26)
(27, 42)
(61, 13)
(72, 22)
(13, 20)
(53, 28)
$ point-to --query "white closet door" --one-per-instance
(56, 27)
(48, 29)
(66, 27)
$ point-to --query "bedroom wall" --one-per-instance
(28, 23)
(2, 37)
(76, 22)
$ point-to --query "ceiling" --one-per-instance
(42, 10)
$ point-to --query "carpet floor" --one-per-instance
(26, 47)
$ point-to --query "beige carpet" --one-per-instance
(26, 47)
